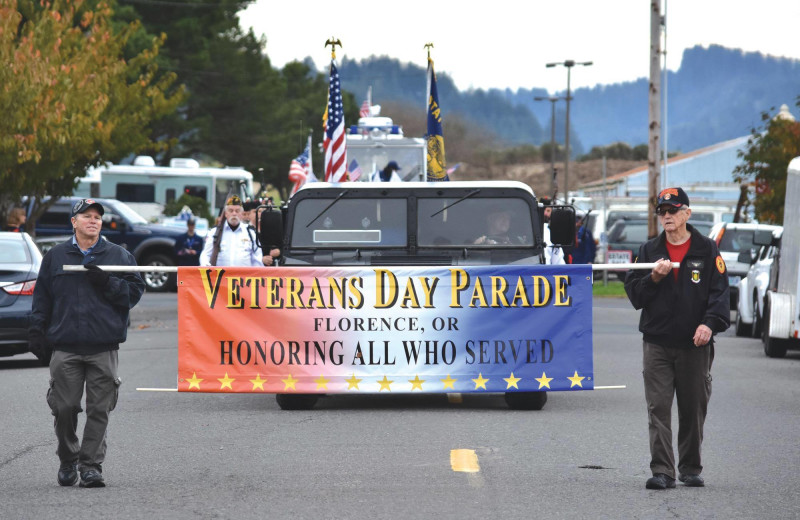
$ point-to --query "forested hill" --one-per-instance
(396, 82)
(717, 94)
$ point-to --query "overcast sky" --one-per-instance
(504, 43)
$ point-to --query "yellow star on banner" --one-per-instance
(258, 382)
(226, 381)
(289, 382)
(576, 381)
(322, 382)
(448, 383)
(512, 381)
(416, 383)
(544, 381)
(385, 384)
(352, 382)
(194, 382)
(480, 382)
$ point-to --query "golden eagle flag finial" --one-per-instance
(429, 46)
(333, 42)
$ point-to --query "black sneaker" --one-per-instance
(692, 480)
(92, 478)
(68, 474)
(660, 481)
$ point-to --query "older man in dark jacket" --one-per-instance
(83, 317)
(682, 309)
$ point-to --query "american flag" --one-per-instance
(364, 112)
(334, 142)
(354, 171)
(299, 171)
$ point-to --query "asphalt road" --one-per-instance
(585, 455)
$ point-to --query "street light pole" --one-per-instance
(552, 100)
(568, 64)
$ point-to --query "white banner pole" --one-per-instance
(174, 269)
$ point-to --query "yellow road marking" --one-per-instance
(464, 460)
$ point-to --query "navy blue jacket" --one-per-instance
(184, 242)
(76, 316)
(672, 310)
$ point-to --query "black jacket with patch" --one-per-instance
(672, 310)
(74, 315)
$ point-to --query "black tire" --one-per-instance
(159, 282)
(526, 400)
(296, 401)
(773, 347)
(755, 327)
(742, 329)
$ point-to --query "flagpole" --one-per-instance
(310, 167)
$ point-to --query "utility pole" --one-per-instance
(568, 64)
(552, 100)
(654, 113)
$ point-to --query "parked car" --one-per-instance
(733, 238)
(151, 244)
(753, 288)
(20, 260)
(627, 235)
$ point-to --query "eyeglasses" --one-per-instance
(671, 210)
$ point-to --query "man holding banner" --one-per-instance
(682, 309)
(83, 317)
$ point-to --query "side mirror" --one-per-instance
(113, 222)
(746, 257)
(270, 229)
(562, 225)
(762, 237)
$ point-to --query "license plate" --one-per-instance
(734, 280)
(619, 257)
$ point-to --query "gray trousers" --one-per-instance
(69, 373)
(685, 374)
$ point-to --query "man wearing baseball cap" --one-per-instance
(682, 309)
(388, 174)
(80, 318)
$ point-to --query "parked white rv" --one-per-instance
(781, 328)
(147, 188)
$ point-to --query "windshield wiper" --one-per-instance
(468, 195)
(334, 201)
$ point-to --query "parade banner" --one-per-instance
(385, 329)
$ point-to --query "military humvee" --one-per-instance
(413, 224)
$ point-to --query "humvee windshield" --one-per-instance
(439, 222)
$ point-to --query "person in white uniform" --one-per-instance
(237, 246)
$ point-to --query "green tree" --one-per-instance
(68, 98)
(765, 161)
(241, 111)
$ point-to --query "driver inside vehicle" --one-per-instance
(498, 224)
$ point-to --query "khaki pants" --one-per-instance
(685, 374)
(69, 373)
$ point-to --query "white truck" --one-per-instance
(376, 140)
(781, 328)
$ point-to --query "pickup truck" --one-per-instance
(151, 244)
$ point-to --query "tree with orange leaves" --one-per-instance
(68, 97)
